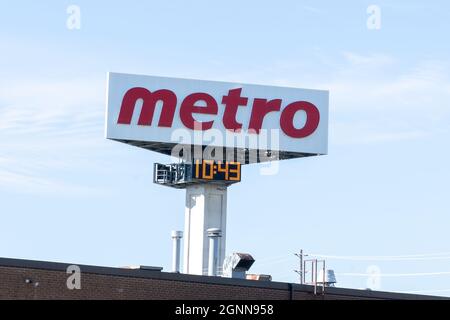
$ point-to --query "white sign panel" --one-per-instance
(157, 113)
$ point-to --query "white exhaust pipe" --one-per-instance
(176, 250)
(214, 234)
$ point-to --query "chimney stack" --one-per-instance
(176, 252)
(214, 234)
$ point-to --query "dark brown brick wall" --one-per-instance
(48, 281)
(52, 285)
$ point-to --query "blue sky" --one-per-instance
(380, 197)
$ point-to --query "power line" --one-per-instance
(275, 259)
(418, 274)
(413, 257)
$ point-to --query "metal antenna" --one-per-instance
(301, 271)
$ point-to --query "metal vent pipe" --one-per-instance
(214, 234)
(176, 250)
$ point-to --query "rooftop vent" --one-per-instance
(237, 264)
(330, 278)
(148, 268)
(259, 277)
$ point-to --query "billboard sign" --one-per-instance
(159, 113)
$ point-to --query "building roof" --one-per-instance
(296, 291)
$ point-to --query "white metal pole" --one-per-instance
(176, 238)
(206, 207)
(214, 235)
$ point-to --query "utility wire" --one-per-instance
(418, 274)
(415, 257)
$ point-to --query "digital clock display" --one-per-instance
(211, 170)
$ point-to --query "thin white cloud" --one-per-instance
(31, 183)
(37, 107)
(426, 86)
(373, 100)
(50, 127)
(362, 133)
(373, 60)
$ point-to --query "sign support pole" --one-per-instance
(206, 207)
